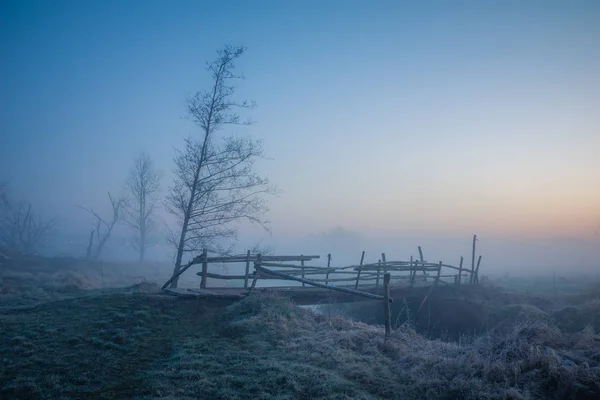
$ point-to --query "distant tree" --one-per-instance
(3, 199)
(103, 228)
(22, 230)
(215, 185)
(143, 186)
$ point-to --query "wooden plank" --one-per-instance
(242, 258)
(364, 277)
(377, 279)
(226, 277)
(247, 269)
(476, 280)
(302, 265)
(452, 267)
(204, 268)
(426, 266)
(328, 266)
(473, 258)
(321, 285)
(351, 279)
(422, 262)
(333, 271)
(290, 258)
(275, 264)
(256, 266)
(386, 301)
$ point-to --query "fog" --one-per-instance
(386, 130)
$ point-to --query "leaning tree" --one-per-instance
(215, 184)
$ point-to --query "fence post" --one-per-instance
(437, 278)
(362, 258)
(422, 264)
(413, 271)
(473, 259)
(204, 268)
(247, 269)
(477, 270)
(328, 266)
(386, 300)
(256, 263)
(302, 265)
(460, 269)
(377, 281)
(384, 263)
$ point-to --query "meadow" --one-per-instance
(72, 333)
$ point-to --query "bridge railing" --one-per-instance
(360, 275)
(412, 271)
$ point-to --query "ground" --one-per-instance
(59, 341)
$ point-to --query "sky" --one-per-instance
(387, 123)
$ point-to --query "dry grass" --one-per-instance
(135, 343)
(577, 317)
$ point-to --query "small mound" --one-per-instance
(577, 318)
(525, 358)
(72, 279)
(266, 317)
(144, 287)
(514, 313)
(541, 303)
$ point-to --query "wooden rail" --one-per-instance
(297, 268)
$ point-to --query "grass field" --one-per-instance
(135, 343)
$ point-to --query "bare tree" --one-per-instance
(3, 199)
(21, 229)
(215, 185)
(103, 228)
(143, 186)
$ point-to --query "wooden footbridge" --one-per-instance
(311, 284)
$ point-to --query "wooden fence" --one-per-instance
(356, 276)
(348, 279)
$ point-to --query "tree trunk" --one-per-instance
(184, 226)
(142, 247)
(188, 213)
(180, 249)
(101, 244)
(88, 252)
(142, 227)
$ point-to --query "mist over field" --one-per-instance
(516, 256)
(187, 190)
(380, 138)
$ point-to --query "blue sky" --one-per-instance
(389, 119)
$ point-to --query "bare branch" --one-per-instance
(215, 186)
(117, 204)
(21, 229)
